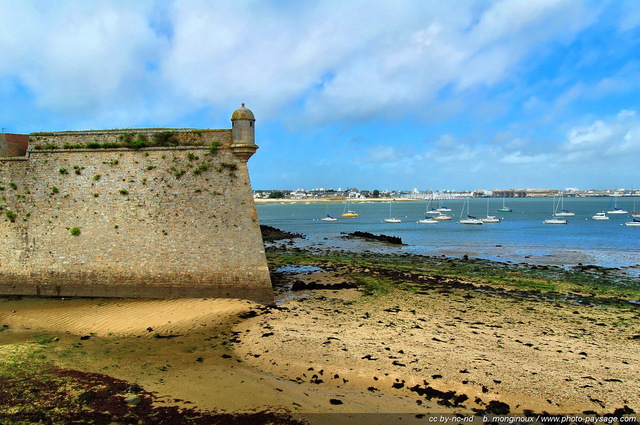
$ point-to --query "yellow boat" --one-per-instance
(348, 213)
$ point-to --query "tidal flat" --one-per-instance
(352, 335)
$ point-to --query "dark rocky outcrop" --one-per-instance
(371, 237)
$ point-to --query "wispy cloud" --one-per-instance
(617, 136)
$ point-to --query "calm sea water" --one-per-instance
(520, 237)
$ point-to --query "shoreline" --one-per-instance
(332, 200)
(520, 237)
(368, 340)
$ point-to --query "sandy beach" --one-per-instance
(441, 348)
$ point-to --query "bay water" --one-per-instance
(521, 236)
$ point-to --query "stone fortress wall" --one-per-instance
(150, 213)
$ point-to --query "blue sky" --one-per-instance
(382, 94)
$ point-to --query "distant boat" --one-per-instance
(469, 219)
(634, 223)
(391, 219)
(635, 213)
(504, 207)
(563, 212)
(615, 209)
(490, 218)
(600, 216)
(348, 213)
(555, 220)
(328, 217)
(442, 217)
(428, 219)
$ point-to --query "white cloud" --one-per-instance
(343, 61)
(78, 57)
(116, 63)
(519, 158)
(382, 154)
(615, 136)
(630, 18)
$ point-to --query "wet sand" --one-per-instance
(443, 350)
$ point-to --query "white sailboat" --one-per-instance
(563, 212)
(392, 219)
(615, 209)
(328, 217)
(428, 219)
(490, 218)
(634, 223)
(469, 218)
(555, 220)
(444, 208)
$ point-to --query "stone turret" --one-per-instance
(243, 137)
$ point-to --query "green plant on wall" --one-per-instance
(46, 146)
(11, 216)
(124, 192)
(213, 149)
(201, 168)
(74, 231)
(229, 166)
(141, 142)
(73, 146)
(63, 171)
(54, 189)
(13, 185)
(126, 138)
(165, 138)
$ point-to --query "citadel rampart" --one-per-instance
(150, 213)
